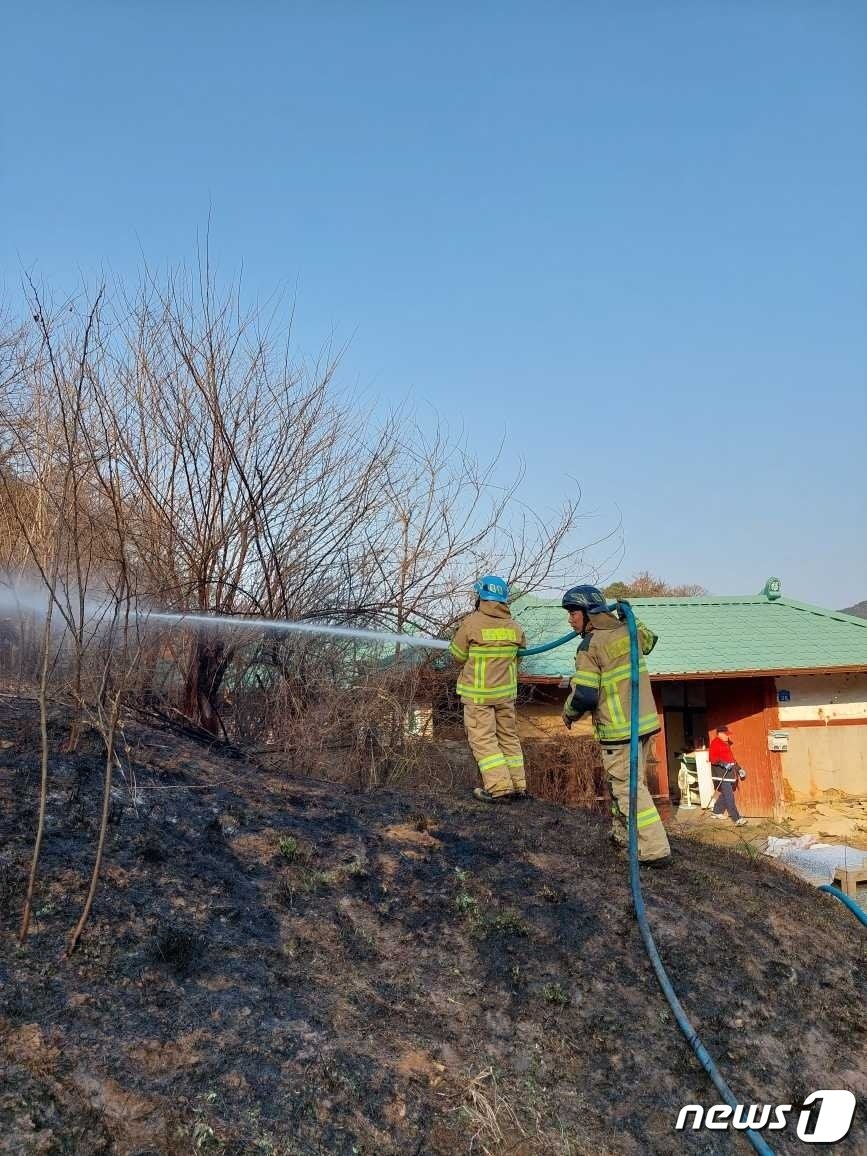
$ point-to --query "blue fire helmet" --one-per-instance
(491, 588)
(587, 598)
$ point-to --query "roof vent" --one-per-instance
(772, 589)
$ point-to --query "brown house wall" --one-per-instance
(747, 705)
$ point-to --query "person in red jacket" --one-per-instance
(726, 773)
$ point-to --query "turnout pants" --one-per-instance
(652, 839)
(492, 732)
(725, 801)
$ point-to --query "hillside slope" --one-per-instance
(281, 966)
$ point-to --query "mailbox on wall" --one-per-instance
(778, 740)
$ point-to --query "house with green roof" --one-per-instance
(788, 678)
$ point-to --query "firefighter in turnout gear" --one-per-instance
(486, 643)
(602, 685)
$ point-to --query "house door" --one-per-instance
(741, 704)
(685, 713)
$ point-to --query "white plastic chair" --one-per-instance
(686, 781)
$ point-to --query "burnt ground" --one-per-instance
(282, 966)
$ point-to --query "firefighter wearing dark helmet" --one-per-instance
(602, 685)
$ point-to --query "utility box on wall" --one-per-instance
(778, 740)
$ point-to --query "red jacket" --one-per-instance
(720, 751)
(723, 766)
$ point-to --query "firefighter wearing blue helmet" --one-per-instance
(602, 686)
(486, 644)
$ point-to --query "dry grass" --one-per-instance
(489, 1114)
(564, 770)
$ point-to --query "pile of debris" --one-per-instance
(835, 816)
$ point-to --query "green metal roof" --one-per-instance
(714, 635)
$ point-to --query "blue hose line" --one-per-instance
(686, 1027)
(548, 645)
(857, 911)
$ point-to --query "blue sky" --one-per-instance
(629, 237)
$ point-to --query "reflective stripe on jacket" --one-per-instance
(602, 680)
(724, 772)
(487, 643)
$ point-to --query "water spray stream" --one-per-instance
(219, 620)
(16, 597)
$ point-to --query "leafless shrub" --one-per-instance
(564, 769)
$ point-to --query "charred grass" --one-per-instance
(282, 966)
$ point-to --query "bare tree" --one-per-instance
(44, 444)
(446, 518)
(106, 711)
(206, 471)
(247, 486)
(646, 585)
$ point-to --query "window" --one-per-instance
(684, 706)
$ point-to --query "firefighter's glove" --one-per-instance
(742, 774)
(568, 719)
